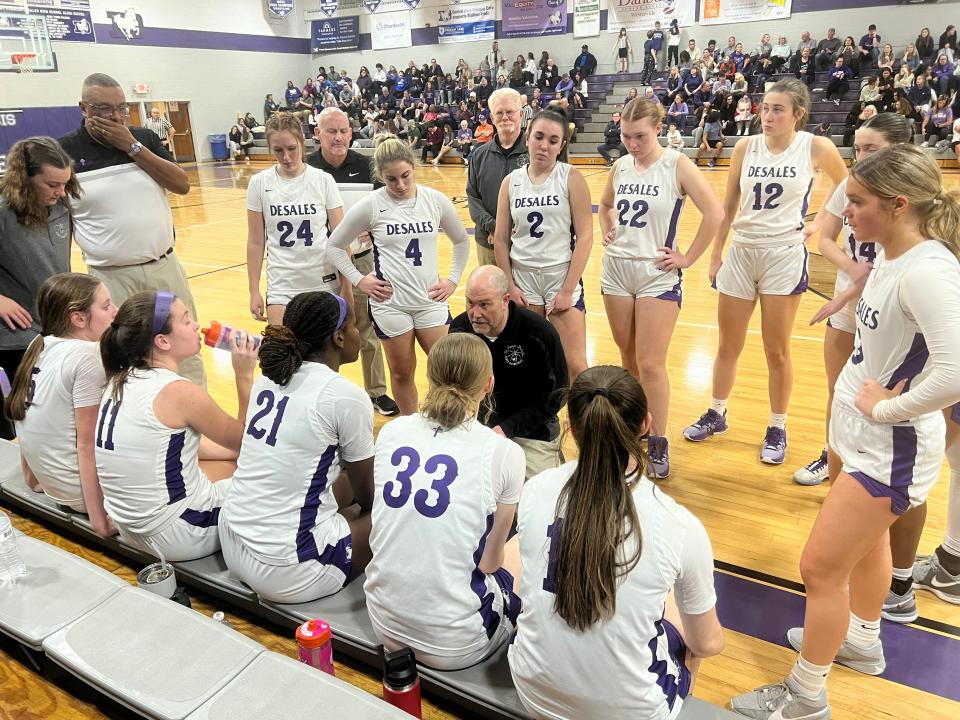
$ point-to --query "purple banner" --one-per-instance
(526, 18)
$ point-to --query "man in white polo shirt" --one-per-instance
(122, 221)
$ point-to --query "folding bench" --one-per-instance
(80, 525)
(152, 655)
(15, 491)
(58, 589)
(212, 575)
(275, 686)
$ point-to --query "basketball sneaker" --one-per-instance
(710, 423)
(869, 662)
(814, 472)
(781, 702)
(900, 608)
(928, 574)
(658, 452)
(774, 446)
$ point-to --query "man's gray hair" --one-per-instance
(492, 275)
(99, 80)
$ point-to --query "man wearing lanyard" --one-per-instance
(122, 221)
(346, 166)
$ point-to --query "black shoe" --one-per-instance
(385, 405)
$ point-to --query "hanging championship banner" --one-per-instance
(280, 8)
(328, 7)
(390, 30)
(527, 18)
(412, 4)
(463, 23)
(714, 12)
(586, 18)
(642, 14)
(371, 5)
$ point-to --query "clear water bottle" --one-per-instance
(11, 564)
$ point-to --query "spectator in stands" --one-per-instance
(731, 47)
(763, 48)
(433, 142)
(291, 94)
(869, 47)
(903, 80)
(495, 59)
(677, 113)
(708, 67)
(303, 110)
(762, 72)
(941, 74)
(743, 115)
(712, 49)
(448, 89)
(926, 50)
(781, 52)
(673, 43)
(623, 51)
(385, 103)
(411, 133)
(851, 56)
(727, 106)
(674, 138)
(827, 49)
(464, 140)
(580, 91)
(838, 83)
(549, 76)
(886, 90)
(712, 138)
(586, 63)
(728, 69)
(686, 63)
(564, 86)
(721, 86)
(806, 42)
(938, 123)
(910, 57)
(484, 132)
(631, 95)
(328, 100)
(693, 80)
(739, 87)
(435, 71)
(649, 94)
(611, 140)
(347, 101)
(855, 118)
(490, 163)
(674, 85)
(740, 59)
(516, 79)
(658, 36)
(886, 59)
(870, 92)
(649, 59)
(921, 97)
(692, 50)
(823, 129)
(310, 88)
(241, 140)
(379, 77)
(802, 67)
(333, 75)
(484, 91)
(448, 143)
(269, 107)
(948, 41)
(701, 96)
(364, 84)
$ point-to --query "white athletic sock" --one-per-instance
(808, 678)
(863, 634)
(951, 539)
(779, 421)
(719, 405)
(903, 573)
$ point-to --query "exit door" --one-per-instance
(178, 113)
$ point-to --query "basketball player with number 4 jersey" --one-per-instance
(290, 208)
(768, 194)
(545, 245)
(408, 298)
(446, 493)
(642, 270)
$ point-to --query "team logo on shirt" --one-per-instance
(513, 354)
(61, 230)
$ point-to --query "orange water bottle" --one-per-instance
(315, 646)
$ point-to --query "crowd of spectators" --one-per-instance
(438, 110)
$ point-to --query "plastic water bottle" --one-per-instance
(314, 645)
(11, 564)
(219, 617)
(218, 336)
(401, 682)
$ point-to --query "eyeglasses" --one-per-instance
(501, 114)
(101, 109)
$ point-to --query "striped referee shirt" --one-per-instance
(160, 126)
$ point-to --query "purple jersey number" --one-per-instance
(396, 492)
(266, 401)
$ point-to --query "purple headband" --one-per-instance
(161, 311)
(343, 312)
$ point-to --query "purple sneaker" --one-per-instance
(710, 423)
(774, 446)
(658, 453)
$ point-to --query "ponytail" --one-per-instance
(309, 321)
(600, 540)
(128, 343)
(458, 369)
(15, 406)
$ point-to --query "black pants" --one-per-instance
(606, 149)
(9, 361)
(429, 148)
(673, 55)
(838, 87)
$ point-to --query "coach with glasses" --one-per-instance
(122, 220)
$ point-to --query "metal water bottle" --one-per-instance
(401, 683)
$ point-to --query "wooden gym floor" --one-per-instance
(757, 518)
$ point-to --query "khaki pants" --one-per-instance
(164, 274)
(540, 454)
(371, 356)
(485, 256)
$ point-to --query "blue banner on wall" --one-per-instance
(335, 35)
(66, 21)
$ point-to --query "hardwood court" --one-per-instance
(757, 518)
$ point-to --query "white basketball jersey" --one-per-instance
(68, 375)
(543, 234)
(856, 251)
(404, 237)
(297, 436)
(295, 225)
(613, 669)
(149, 473)
(774, 193)
(436, 493)
(889, 345)
(646, 207)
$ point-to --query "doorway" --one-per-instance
(178, 113)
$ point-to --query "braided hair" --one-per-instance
(309, 322)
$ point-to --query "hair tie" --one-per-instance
(602, 392)
(161, 311)
(938, 198)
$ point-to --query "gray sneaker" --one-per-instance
(781, 702)
(900, 608)
(929, 575)
(869, 662)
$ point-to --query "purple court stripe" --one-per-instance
(916, 658)
(173, 469)
(912, 364)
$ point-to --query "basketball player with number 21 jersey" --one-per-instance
(290, 208)
(767, 198)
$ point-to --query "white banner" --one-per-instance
(463, 23)
(715, 12)
(586, 18)
(642, 14)
(390, 30)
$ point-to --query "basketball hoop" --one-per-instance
(24, 62)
